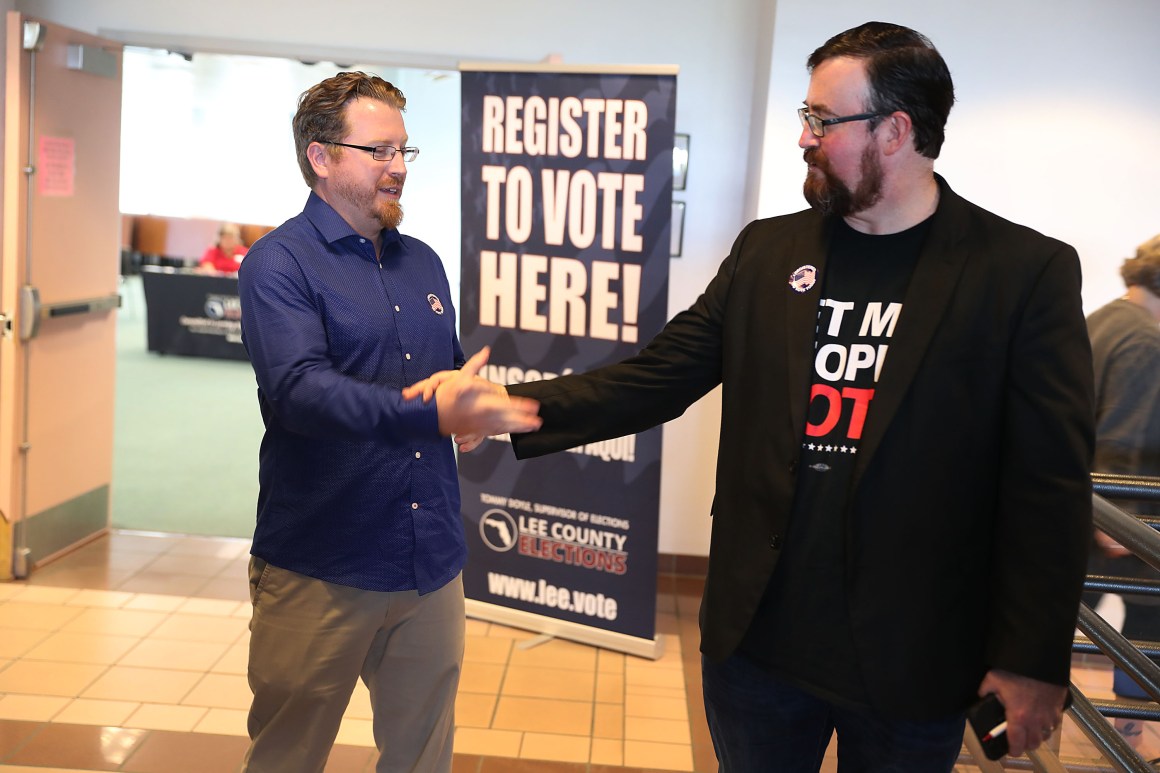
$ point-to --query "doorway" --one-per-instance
(207, 137)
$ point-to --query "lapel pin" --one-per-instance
(803, 279)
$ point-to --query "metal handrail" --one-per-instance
(1139, 666)
(1087, 646)
(1127, 530)
(1116, 486)
(1110, 743)
(1125, 708)
(1108, 584)
(1140, 537)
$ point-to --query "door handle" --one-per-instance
(29, 312)
(32, 311)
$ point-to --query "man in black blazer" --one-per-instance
(902, 506)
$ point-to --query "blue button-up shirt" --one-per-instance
(356, 486)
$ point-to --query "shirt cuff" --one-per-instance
(419, 419)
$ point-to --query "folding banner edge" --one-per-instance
(598, 637)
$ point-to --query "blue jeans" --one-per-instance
(761, 724)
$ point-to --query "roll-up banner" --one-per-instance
(567, 190)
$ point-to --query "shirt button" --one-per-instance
(407, 355)
(418, 455)
(362, 241)
(397, 309)
(414, 505)
(775, 541)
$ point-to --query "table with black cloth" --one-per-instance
(192, 313)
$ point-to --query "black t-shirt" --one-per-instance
(802, 629)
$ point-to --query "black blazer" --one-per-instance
(970, 516)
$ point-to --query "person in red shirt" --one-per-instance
(226, 255)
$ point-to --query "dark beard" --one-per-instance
(830, 196)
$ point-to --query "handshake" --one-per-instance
(472, 408)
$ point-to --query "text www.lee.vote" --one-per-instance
(544, 594)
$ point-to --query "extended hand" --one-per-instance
(473, 407)
(427, 386)
(468, 443)
(1034, 708)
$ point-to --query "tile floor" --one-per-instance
(129, 654)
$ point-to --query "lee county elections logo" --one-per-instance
(223, 306)
(436, 306)
(803, 279)
(497, 529)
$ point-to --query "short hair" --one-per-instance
(906, 73)
(321, 115)
(1144, 269)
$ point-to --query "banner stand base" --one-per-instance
(585, 634)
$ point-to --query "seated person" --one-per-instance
(226, 255)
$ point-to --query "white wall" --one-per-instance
(1057, 123)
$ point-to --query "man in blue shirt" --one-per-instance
(359, 545)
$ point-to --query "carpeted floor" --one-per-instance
(186, 435)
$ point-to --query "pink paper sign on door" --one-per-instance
(56, 166)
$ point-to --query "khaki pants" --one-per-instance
(311, 641)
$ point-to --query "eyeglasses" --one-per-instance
(818, 125)
(380, 152)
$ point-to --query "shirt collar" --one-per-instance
(331, 225)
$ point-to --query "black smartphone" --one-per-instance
(989, 721)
